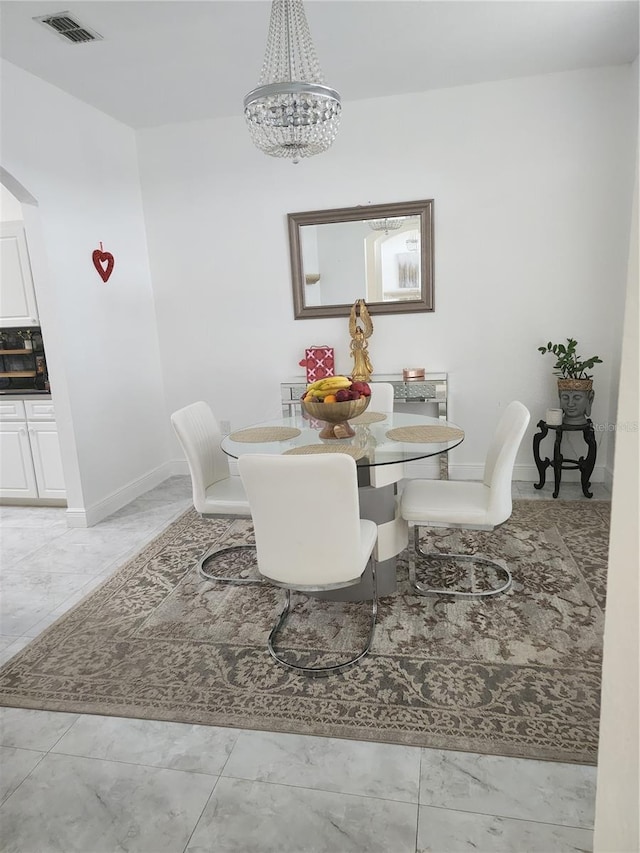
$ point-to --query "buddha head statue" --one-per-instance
(576, 397)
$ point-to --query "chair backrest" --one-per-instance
(382, 401)
(306, 517)
(199, 436)
(501, 457)
(381, 397)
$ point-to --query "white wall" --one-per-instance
(617, 823)
(101, 339)
(10, 207)
(532, 183)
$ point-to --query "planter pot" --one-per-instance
(576, 397)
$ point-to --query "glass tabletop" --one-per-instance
(380, 438)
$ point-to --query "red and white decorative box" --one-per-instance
(318, 362)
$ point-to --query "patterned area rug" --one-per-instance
(515, 675)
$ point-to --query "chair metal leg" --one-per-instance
(318, 671)
(215, 552)
(472, 559)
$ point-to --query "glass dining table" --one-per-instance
(383, 442)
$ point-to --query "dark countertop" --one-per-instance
(23, 392)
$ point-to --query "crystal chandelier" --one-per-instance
(291, 113)
(386, 225)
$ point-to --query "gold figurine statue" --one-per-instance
(362, 367)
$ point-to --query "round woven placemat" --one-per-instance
(260, 434)
(368, 418)
(415, 434)
(356, 452)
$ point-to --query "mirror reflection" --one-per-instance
(382, 254)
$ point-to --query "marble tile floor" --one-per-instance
(85, 783)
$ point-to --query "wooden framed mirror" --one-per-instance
(382, 253)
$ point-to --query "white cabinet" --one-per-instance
(18, 305)
(12, 409)
(17, 476)
(39, 410)
(47, 462)
(30, 461)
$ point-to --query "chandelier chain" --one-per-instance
(290, 54)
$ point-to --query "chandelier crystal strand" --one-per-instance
(291, 113)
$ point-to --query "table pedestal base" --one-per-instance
(379, 505)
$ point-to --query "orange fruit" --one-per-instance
(330, 398)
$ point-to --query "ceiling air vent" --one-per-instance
(68, 28)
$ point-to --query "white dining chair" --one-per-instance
(216, 494)
(478, 505)
(381, 397)
(309, 534)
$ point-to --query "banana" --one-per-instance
(314, 385)
(317, 391)
(335, 382)
(328, 384)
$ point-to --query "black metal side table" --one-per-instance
(559, 463)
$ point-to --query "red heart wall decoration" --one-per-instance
(103, 262)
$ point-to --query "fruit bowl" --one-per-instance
(336, 416)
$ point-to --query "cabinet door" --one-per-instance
(17, 477)
(17, 295)
(12, 410)
(39, 410)
(47, 462)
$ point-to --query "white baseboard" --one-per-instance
(76, 517)
(523, 472)
(428, 469)
(179, 467)
(529, 474)
(91, 515)
(608, 477)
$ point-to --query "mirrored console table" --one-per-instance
(431, 389)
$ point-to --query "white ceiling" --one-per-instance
(167, 61)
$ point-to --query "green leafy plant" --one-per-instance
(568, 363)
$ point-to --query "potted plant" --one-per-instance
(575, 385)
